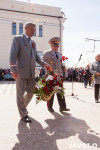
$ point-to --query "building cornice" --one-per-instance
(23, 12)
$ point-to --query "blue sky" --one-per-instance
(83, 21)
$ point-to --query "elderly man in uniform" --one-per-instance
(54, 58)
(23, 57)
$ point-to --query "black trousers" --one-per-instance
(96, 91)
(61, 101)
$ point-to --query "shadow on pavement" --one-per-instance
(34, 137)
(66, 126)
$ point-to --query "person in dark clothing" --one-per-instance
(0, 74)
(42, 72)
(85, 78)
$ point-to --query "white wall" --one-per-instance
(51, 25)
(5, 43)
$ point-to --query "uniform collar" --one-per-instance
(26, 36)
(54, 51)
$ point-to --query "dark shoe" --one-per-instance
(96, 101)
(51, 109)
(26, 119)
(64, 109)
(26, 112)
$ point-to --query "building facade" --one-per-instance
(13, 17)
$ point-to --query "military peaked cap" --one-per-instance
(54, 41)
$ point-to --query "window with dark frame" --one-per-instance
(20, 28)
(40, 30)
(35, 31)
(14, 28)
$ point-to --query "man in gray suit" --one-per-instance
(23, 57)
(54, 58)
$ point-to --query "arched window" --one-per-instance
(20, 28)
(40, 30)
(14, 28)
(35, 31)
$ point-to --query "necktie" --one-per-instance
(56, 55)
(29, 39)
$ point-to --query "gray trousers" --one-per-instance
(24, 92)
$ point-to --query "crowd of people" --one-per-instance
(73, 74)
(79, 75)
(76, 74)
(4, 72)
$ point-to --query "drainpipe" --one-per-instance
(59, 18)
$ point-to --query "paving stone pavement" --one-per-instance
(78, 129)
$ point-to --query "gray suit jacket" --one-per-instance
(23, 57)
(50, 57)
(95, 67)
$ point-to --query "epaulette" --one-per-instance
(47, 51)
(60, 53)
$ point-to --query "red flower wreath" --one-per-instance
(64, 58)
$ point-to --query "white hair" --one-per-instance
(29, 24)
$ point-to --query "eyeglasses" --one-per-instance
(55, 45)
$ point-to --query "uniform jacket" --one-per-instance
(50, 57)
(23, 57)
(95, 67)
